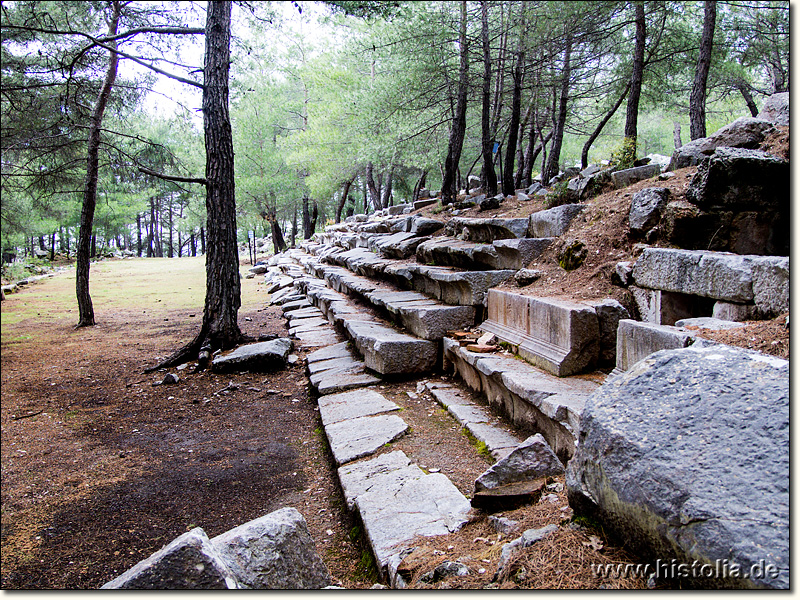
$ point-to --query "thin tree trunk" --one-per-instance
(551, 170)
(632, 114)
(603, 122)
(456, 141)
(202, 240)
(387, 190)
(697, 99)
(374, 193)
(419, 185)
(487, 143)
(513, 126)
(85, 308)
(676, 135)
(343, 201)
(748, 97)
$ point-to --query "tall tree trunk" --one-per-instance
(487, 143)
(419, 185)
(343, 200)
(294, 226)
(632, 114)
(53, 246)
(85, 308)
(193, 244)
(551, 170)
(697, 99)
(170, 248)
(374, 193)
(513, 126)
(596, 133)
(456, 141)
(387, 189)
(676, 135)
(278, 243)
(306, 219)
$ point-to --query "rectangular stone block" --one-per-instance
(558, 336)
(637, 340)
(717, 275)
(389, 352)
(628, 177)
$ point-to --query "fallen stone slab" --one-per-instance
(526, 540)
(530, 460)
(332, 382)
(363, 436)
(297, 304)
(275, 551)
(560, 337)
(425, 202)
(686, 457)
(190, 561)
(303, 313)
(393, 517)
(553, 222)
(627, 177)
(385, 472)
(335, 408)
(508, 496)
(308, 324)
(317, 338)
(259, 357)
(499, 255)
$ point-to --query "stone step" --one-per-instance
(334, 368)
(532, 399)
(447, 284)
(397, 502)
(500, 254)
(637, 340)
(384, 349)
(475, 418)
(486, 230)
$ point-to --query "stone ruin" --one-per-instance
(682, 453)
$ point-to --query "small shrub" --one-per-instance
(558, 196)
(624, 155)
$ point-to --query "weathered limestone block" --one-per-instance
(717, 275)
(558, 336)
(686, 457)
(771, 284)
(258, 357)
(190, 561)
(646, 208)
(739, 179)
(532, 459)
(389, 352)
(275, 551)
(776, 109)
(637, 340)
(553, 222)
(744, 132)
(486, 230)
(627, 177)
(362, 436)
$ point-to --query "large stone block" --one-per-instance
(390, 352)
(627, 177)
(717, 275)
(362, 436)
(275, 551)
(776, 109)
(646, 208)
(190, 562)
(532, 459)
(744, 132)
(553, 222)
(739, 179)
(259, 357)
(771, 284)
(466, 288)
(558, 336)
(486, 230)
(686, 457)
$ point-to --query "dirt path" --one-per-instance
(112, 468)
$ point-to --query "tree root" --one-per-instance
(200, 349)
